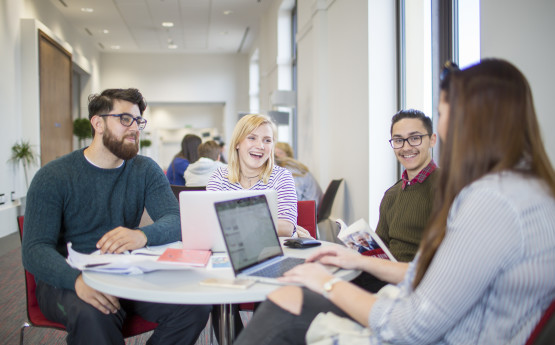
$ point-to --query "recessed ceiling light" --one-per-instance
(167, 24)
(172, 46)
(87, 9)
(115, 47)
(106, 31)
(228, 12)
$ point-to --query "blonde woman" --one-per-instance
(251, 166)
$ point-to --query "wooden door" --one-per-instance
(56, 122)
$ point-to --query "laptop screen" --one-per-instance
(248, 231)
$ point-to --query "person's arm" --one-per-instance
(350, 298)
(287, 201)
(382, 229)
(161, 205)
(386, 270)
(42, 226)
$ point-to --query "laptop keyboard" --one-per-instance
(279, 268)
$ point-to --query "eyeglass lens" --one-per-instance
(127, 120)
(397, 143)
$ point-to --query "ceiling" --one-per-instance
(135, 26)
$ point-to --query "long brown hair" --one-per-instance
(492, 127)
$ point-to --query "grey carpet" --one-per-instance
(13, 312)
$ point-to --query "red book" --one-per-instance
(188, 257)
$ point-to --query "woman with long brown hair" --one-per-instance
(484, 273)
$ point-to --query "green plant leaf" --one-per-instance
(82, 128)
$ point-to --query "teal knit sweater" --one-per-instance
(71, 200)
(404, 215)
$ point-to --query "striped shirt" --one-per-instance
(280, 179)
(492, 277)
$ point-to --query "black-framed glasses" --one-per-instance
(413, 140)
(127, 120)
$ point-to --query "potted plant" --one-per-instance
(144, 144)
(23, 152)
(82, 129)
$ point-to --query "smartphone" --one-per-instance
(229, 283)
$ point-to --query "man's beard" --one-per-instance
(120, 148)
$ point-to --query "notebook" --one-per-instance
(251, 239)
(200, 229)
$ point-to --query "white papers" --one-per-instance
(136, 262)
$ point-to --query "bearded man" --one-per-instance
(94, 198)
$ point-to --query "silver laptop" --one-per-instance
(200, 228)
(251, 239)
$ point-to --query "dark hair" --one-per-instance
(103, 103)
(189, 148)
(412, 114)
(488, 103)
(210, 149)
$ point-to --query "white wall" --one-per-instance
(522, 33)
(333, 105)
(19, 92)
(183, 79)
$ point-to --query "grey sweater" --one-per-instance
(71, 200)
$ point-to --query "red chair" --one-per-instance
(132, 326)
(544, 332)
(306, 216)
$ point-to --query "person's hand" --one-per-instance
(311, 275)
(120, 240)
(337, 256)
(105, 303)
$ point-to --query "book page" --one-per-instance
(360, 237)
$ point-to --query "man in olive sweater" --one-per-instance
(94, 198)
(407, 205)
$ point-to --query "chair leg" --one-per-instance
(21, 333)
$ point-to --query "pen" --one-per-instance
(96, 265)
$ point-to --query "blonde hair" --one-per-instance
(285, 147)
(297, 168)
(245, 126)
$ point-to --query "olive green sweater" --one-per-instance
(404, 215)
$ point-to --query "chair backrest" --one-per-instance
(177, 189)
(306, 216)
(544, 332)
(34, 314)
(324, 210)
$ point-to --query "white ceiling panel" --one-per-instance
(200, 26)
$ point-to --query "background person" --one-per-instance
(94, 198)
(283, 149)
(305, 184)
(187, 155)
(198, 173)
(484, 273)
(406, 207)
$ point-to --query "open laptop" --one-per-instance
(200, 228)
(251, 239)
